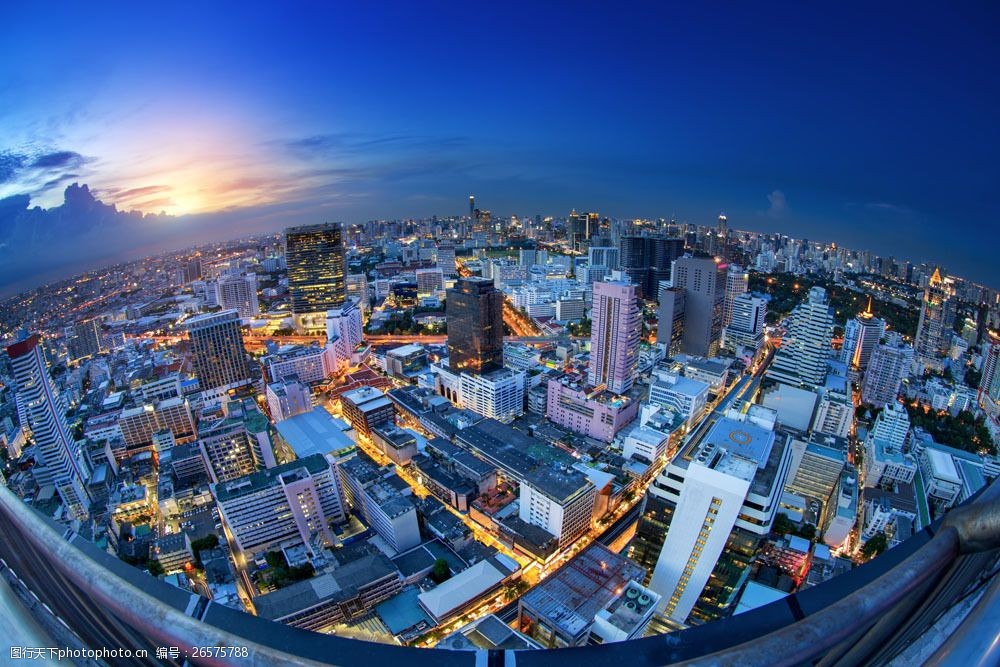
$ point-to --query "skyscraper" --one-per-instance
(446, 258)
(57, 461)
(801, 359)
(239, 293)
(614, 336)
(861, 335)
(736, 284)
(937, 315)
(217, 347)
(474, 310)
(704, 284)
(648, 260)
(316, 269)
(746, 328)
(989, 384)
(889, 364)
(86, 340)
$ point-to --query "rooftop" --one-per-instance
(314, 432)
(571, 597)
(263, 479)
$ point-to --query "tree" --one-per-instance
(875, 546)
(441, 571)
(154, 567)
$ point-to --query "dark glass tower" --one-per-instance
(315, 258)
(647, 260)
(475, 326)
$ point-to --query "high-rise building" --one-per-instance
(217, 350)
(746, 328)
(732, 483)
(357, 289)
(474, 310)
(497, 394)
(238, 293)
(57, 460)
(736, 284)
(670, 316)
(235, 440)
(429, 281)
(937, 315)
(890, 363)
(296, 501)
(704, 284)
(316, 264)
(648, 260)
(801, 359)
(989, 384)
(446, 258)
(288, 398)
(861, 335)
(601, 260)
(86, 340)
(614, 338)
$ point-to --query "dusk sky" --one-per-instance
(873, 127)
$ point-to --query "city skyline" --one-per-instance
(832, 144)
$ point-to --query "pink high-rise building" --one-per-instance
(614, 337)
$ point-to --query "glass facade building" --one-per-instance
(316, 267)
(475, 326)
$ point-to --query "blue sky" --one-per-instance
(873, 127)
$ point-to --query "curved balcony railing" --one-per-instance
(867, 616)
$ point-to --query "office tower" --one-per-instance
(884, 460)
(238, 293)
(704, 285)
(614, 337)
(577, 228)
(721, 247)
(192, 271)
(937, 315)
(746, 328)
(736, 284)
(296, 501)
(526, 257)
(429, 281)
(497, 394)
(86, 340)
(648, 260)
(801, 359)
(602, 260)
(989, 384)
(670, 317)
(472, 207)
(890, 363)
(731, 486)
(561, 502)
(217, 351)
(316, 264)
(861, 335)
(344, 334)
(446, 258)
(474, 311)
(57, 459)
(357, 289)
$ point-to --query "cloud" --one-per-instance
(10, 164)
(779, 205)
(58, 159)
